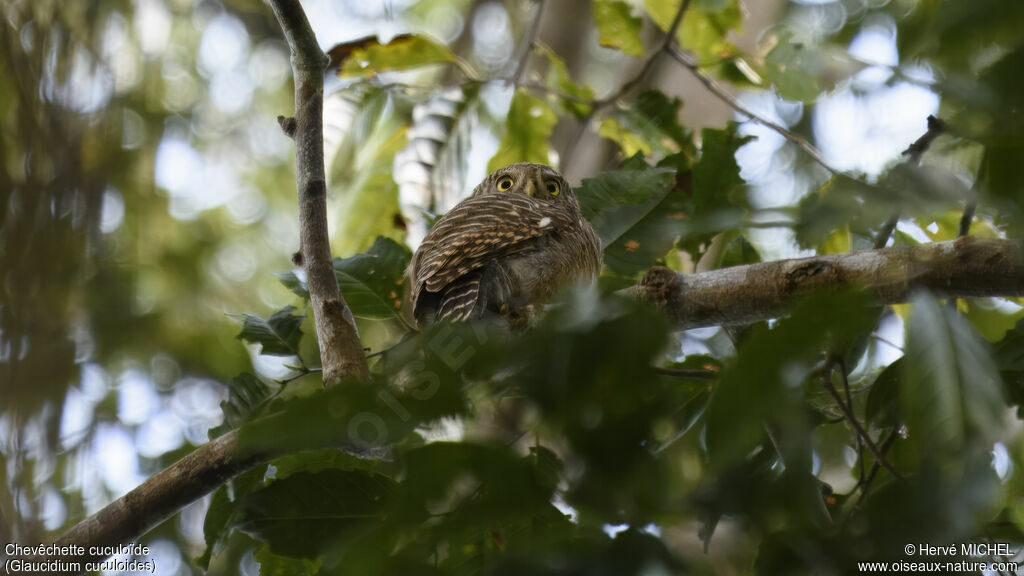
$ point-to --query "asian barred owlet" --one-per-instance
(512, 244)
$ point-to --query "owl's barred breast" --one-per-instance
(517, 240)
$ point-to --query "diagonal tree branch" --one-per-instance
(160, 497)
(341, 352)
(725, 96)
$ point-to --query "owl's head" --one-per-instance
(537, 180)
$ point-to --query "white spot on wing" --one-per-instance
(545, 221)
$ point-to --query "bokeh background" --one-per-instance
(147, 194)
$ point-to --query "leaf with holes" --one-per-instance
(618, 27)
(372, 282)
(367, 56)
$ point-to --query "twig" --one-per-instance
(972, 198)
(341, 352)
(529, 41)
(875, 467)
(694, 374)
(648, 65)
(718, 90)
(849, 403)
(886, 341)
(598, 104)
(917, 149)
(851, 418)
(913, 153)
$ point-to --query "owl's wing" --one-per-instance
(479, 230)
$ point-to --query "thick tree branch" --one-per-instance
(341, 352)
(967, 267)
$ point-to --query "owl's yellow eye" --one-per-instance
(505, 183)
(552, 187)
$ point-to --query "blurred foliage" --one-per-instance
(147, 202)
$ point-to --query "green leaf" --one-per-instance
(509, 485)
(954, 33)
(843, 201)
(716, 176)
(527, 128)
(367, 57)
(637, 213)
(558, 76)
(883, 405)
(950, 391)
(650, 124)
(365, 196)
(298, 515)
(705, 27)
(216, 524)
(630, 142)
(764, 384)
(618, 27)
(246, 392)
(1009, 357)
(794, 69)
(614, 201)
(274, 565)
(372, 282)
(318, 460)
(278, 335)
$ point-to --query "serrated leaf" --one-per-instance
(950, 391)
(278, 334)
(372, 282)
(618, 27)
(246, 392)
(368, 56)
(527, 128)
(616, 200)
(716, 176)
(650, 124)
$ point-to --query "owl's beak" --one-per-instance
(531, 188)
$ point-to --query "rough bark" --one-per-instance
(341, 352)
(962, 268)
(160, 497)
